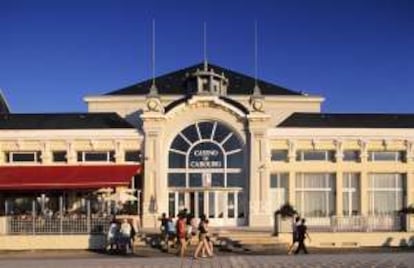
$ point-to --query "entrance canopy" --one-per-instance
(66, 177)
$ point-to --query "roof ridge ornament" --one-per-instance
(256, 99)
(153, 102)
(153, 89)
(205, 47)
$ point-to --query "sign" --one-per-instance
(206, 155)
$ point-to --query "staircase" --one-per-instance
(236, 239)
(246, 239)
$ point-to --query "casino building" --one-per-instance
(219, 143)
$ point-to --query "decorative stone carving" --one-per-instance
(257, 105)
(339, 154)
(154, 105)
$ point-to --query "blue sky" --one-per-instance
(357, 54)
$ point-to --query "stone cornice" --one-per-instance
(200, 101)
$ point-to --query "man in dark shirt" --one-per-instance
(302, 233)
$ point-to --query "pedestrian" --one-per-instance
(181, 233)
(171, 232)
(191, 228)
(132, 237)
(125, 233)
(163, 228)
(111, 237)
(295, 224)
(203, 243)
(302, 234)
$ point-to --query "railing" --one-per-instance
(42, 225)
(349, 224)
(360, 224)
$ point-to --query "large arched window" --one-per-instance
(206, 154)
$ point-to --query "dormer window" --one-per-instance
(207, 81)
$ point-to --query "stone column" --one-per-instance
(339, 178)
(119, 152)
(364, 179)
(71, 153)
(154, 187)
(46, 154)
(259, 183)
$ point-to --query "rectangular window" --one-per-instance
(385, 193)
(195, 180)
(230, 205)
(326, 155)
(395, 156)
(351, 194)
(351, 155)
(278, 190)
(315, 194)
(279, 180)
(279, 155)
(132, 156)
(211, 205)
(59, 156)
(217, 180)
(176, 180)
(101, 156)
(235, 180)
(171, 204)
(27, 157)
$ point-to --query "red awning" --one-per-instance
(66, 177)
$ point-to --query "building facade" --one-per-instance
(222, 144)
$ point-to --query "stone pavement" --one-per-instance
(372, 259)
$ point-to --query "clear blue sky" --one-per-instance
(357, 54)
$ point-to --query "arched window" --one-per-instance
(206, 154)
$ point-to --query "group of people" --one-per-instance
(299, 234)
(183, 231)
(120, 237)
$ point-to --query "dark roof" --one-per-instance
(174, 83)
(322, 120)
(63, 121)
(4, 108)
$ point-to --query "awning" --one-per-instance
(66, 177)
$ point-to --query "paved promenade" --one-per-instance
(376, 259)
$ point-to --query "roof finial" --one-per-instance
(153, 88)
(205, 46)
(256, 90)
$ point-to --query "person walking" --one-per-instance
(295, 224)
(125, 232)
(203, 243)
(181, 233)
(111, 238)
(302, 234)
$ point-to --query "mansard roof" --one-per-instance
(175, 83)
(349, 120)
(63, 121)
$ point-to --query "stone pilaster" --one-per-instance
(259, 183)
(339, 154)
(364, 178)
(155, 192)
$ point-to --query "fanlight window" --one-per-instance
(206, 148)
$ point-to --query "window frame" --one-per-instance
(328, 155)
(110, 156)
(37, 157)
(398, 156)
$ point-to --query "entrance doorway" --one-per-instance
(223, 207)
(206, 174)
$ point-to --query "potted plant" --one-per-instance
(282, 215)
